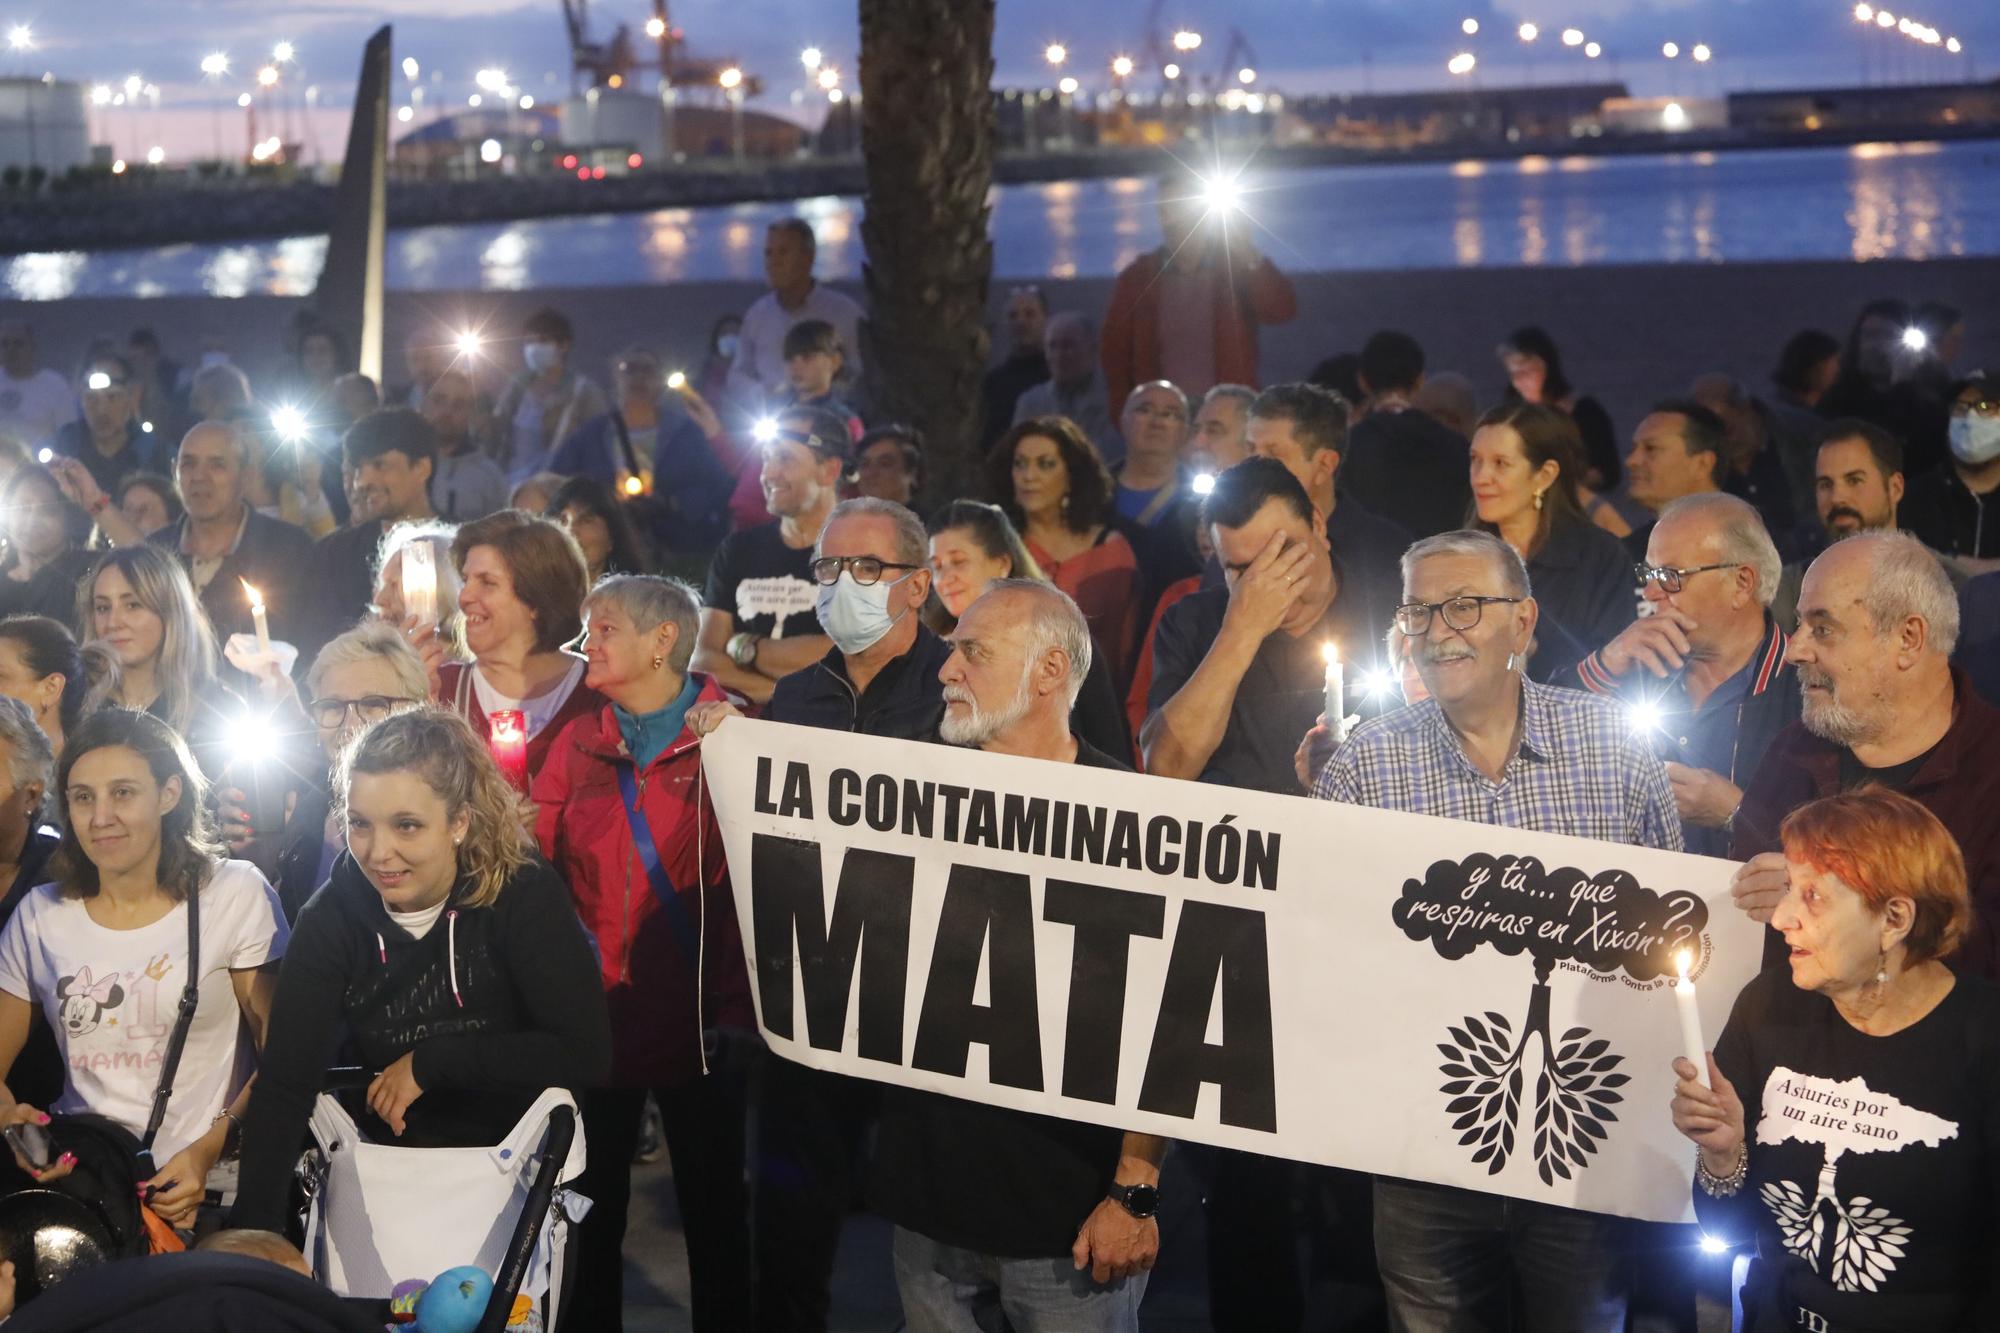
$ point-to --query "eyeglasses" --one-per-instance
(1978, 407)
(1672, 580)
(333, 712)
(1460, 613)
(866, 569)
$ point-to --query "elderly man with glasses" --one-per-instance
(1491, 746)
(1704, 674)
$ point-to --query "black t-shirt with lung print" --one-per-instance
(1874, 1161)
(764, 583)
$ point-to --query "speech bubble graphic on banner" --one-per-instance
(1607, 921)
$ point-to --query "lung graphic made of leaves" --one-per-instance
(1574, 1092)
(1867, 1240)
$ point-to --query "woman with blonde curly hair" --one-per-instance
(442, 947)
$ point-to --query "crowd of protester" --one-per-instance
(251, 663)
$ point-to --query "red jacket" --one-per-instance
(580, 822)
(455, 691)
(1130, 345)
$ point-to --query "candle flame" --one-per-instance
(507, 725)
(1681, 961)
(634, 486)
(250, 591)
(1332, 654)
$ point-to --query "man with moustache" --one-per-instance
(1877, 624)
(1491, 746)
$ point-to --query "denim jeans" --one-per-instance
(949, 1290)
(1451, 1260)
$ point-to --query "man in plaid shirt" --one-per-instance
(1493, 747)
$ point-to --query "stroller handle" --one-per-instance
(528, 1230)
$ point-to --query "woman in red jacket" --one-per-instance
(620, 814)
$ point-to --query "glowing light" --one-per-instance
(118, 167)
(20, 37)
(1377, 682)
(267, 76)
(1246, 75)
(1951, 44)
(1644, 716)
(829, 79)
(1710, 1245)
(1055, 53)
(468, 342)
(100, 95)
(1172, 70)
(1674, 117)
(243, 99)
(1462, 63)
(1671, 50)
(1203, 483)
(1187, 40)
(146, 426)
(45, 457)
(155, 155)
(215, 65)
(474, 100)
(656, 28)
(677, 381)
(1864, 13)
(134, 85)
(634, 161)
(1915, 339)
(98, 381)
(491, 80)
(1068, 86)
(634, 486)
(835, 95)
(1884, 19)
(1529, 32)
(1470, 27)
(405, 114)
(282, 53)
(1572, 37)
(1593, 50)
(491, 151)
(1221, 195)
(527, 102)
(289, 422)
(410, 68)
(811, 57)
(1121, 66)
(1701, 53)
(764, 430)
(731, 78)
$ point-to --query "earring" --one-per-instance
(1538, 500)
(1513, 660)
(659, 662)
(1882, 970)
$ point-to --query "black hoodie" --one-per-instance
(497, 1002)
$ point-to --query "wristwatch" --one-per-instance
(742, 648)
(1139, 1200)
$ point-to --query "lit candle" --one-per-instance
(507, 738)
(257, 616)
(634, 485)
(677, 381)
(1690, 1015)
(1336, 694)
(420, 583)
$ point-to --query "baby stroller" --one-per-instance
(380, 1216)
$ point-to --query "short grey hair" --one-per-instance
(1904, 580)
(1741, 534)
(1241, 394)
(651, 601)
(1053, 622)
(225, 381)
(1505, 559)
(373, 640)
(30, 758)
(1137, 389)
(913, 543)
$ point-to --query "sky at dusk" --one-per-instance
(1295, 45)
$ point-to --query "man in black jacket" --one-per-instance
(871, 568)
(1706, 671)
(392, 454)
(996, 1208)
(223, 543)
(1403, 463)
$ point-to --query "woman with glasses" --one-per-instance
(1955, 507)
(1052, 483)
(1524, 489)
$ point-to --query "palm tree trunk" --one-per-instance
(927, 140)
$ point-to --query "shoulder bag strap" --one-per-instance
(177, 1042)
(685, 932)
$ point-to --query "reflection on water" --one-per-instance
(1869, 201)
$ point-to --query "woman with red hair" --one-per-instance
(1849, 1118)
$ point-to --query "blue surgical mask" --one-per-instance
(540, 357)
(856, 617)
(1975, 440)
(726, 345)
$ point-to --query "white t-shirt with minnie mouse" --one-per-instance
(111, 997)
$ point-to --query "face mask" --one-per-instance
(1975, 440)
(853, 616)
(726, 345)
(541, 357)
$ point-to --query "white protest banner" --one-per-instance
(1418, 997)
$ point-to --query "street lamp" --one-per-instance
(1529, 32)
(20, 37)
(1671, 50)
(1701, 54)
(1246, 75)
(656, 27)
(811, 57)
(134, 85)
(283, 53)
(410, 68)
(1121, 67)
(215, 65)
(1056, 53)
(1470, 27)
(1864, 13)
(1187, 40)
(731, 80)
(829, 78)
(267, 76)
(1593, 50)
(1462, 63)
(1171, 70)
(1572, 37)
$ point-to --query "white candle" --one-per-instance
(1692, 1045)
(1336, 693)
(420, 583)
(257, 616)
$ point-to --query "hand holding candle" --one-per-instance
(1692, 1046)
(1336, 693)
(507, 738)
(257, 617)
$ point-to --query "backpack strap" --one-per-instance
(183, 1020)
(685, 932)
